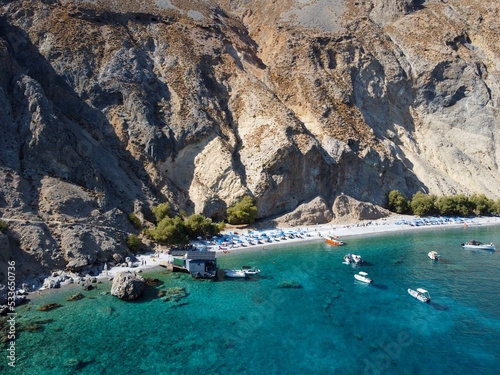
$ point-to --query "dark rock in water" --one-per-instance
(127, 285)
(50, 306)
(88, 287)
(289, 284)
(152, 281)
(173, 294)
(76, 364)
(32, 327)
(44, 321)
(76, 297)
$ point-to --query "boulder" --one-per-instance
(117, 257)
(315, 211)
(77, 264)
(349, 210)
(127, 285)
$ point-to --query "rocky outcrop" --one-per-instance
(313, 212)
(349, 210)
(201, 103)
(127, 285)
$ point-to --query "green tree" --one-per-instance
(446, 206)
(170, 231)
(397, 202)
(455, 205)
(221, 225)
(496, 207)
(463, 205)
(3, 225)
(243, 212)
(198, 225)
(134, 243)
(162, 211)
(423, 204)
(135, 221)
(482, 204)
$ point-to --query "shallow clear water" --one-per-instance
(332, 325)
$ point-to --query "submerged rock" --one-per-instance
(127, 285)
(76, 297)
(289, 284)
(50, 306)
(172, 294)
(152, 281)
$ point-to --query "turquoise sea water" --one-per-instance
(333, 324)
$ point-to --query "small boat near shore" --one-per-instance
(250, 271)
(420, 294)
(334, 241)
(363, 276)
(433, 255)
(477, 245)
(235, 273)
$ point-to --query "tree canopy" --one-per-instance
(397, 202)
(423, 204)
(243, 212)
(161, 211)
(450, 205)
(134, 243)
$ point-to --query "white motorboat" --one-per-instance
(250, 271)
(352, 258)
(363, 276)
(235, 273)
(476, 245)
(433, 255)
(420, 294)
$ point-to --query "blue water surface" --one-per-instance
(328, 324)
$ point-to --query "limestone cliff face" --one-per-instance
(111, 107)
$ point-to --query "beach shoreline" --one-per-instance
(308, 234)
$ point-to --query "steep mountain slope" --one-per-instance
(110, 107)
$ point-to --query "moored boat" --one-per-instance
(363, 276)
(433, 255)
(250, 271)
(420, 294)
(352, 258)
(334, 241)
(235, 273)
(477, 245)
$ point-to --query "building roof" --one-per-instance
(195, 255)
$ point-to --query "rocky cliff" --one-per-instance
(110, 107)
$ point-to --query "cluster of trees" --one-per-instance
(179, 229)
(454, 205)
